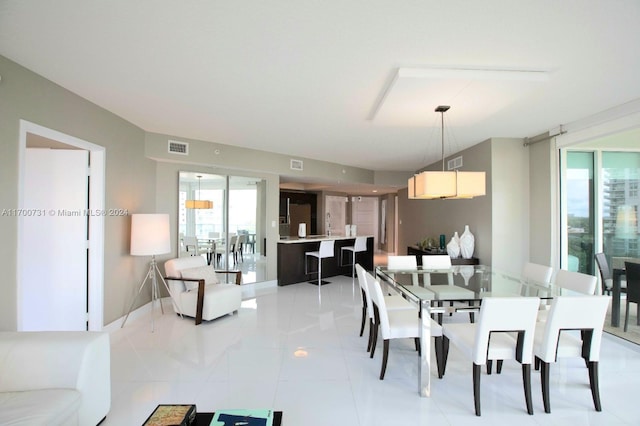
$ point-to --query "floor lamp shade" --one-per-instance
(150, 234)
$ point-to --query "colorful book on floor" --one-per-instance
(243, 418)
(172, 415)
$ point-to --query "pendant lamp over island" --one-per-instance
(198, 204)
(429, 185)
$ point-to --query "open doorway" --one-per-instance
(45, 157)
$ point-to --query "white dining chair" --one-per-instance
(393, 302)
(447, 291)
(576, 282)
(409, 263)
(191, 245)
(492, 338)
(436, 262)
(571, 283)
(536, 273)
(558, 337)
(399, 324)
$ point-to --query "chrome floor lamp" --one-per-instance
(150, 236)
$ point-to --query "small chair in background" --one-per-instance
(576, 282)
(325, 251)
(358, 246)
(606, 275)
(539, 274)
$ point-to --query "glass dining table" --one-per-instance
(461, 288)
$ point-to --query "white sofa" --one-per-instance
(197, 290)
(54, 378)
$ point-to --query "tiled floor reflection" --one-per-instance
(287, 351)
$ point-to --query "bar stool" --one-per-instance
(325, 250)
(357, 247)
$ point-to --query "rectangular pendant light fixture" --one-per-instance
(430, 185)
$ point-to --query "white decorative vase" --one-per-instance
(354, 228)
(467, 243)
(302, 230)
(453, 248)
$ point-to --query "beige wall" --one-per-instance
(510, 204)
(130, 179)
(542, 173)
(420, 219)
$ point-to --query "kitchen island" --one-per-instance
(291, 258)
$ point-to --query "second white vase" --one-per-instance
(453, 248)
(467, 243)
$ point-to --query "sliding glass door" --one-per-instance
(620, 174)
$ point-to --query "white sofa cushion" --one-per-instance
(201, 272)
(76, 361)
(40, 407)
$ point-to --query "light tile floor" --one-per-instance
(249, 360)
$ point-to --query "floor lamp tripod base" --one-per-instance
(152, 276)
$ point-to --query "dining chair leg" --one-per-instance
(364, 319)
(445, 353)
(374, 342)
(385, 355)
(499, 366)
(526, 381)
(477, 370)
(439, 356)
(370, 342)
(595, 388)
(626, 317)
(416, 341)
(489, 366)
(544, 379)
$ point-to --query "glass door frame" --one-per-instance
(597, 207)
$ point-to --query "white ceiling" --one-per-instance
(309, 78)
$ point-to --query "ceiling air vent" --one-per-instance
(176, 147)
(296, 164)
(454, 163)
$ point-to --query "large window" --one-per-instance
(580, 211)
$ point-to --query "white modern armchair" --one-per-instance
(197, 290)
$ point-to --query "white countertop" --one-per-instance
(311, 238)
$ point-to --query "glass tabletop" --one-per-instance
(462, 283)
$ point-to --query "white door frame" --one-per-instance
(96, 221)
